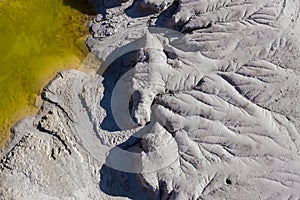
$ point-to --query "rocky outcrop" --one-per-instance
(192, 100)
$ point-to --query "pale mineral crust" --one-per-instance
(192, 99)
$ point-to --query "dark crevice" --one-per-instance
(231, 82)
(52, 154)
(228, 181)
(137, 9)
(147, 123)
(130, 106)
(190, 30)
(41, 129)
(170, 55)
(208, 184)
(136, 99)
(164, 20)
(4, 164)
(163, 190)
(182, 27)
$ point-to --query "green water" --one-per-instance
(37, 39)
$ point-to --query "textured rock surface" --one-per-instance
(193, 99)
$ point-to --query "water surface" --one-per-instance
(37, 39)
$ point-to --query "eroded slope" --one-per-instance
(193, 100)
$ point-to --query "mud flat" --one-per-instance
(191, 100)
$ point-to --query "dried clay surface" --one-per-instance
(191, 99)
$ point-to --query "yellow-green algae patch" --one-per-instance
(37, 39)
